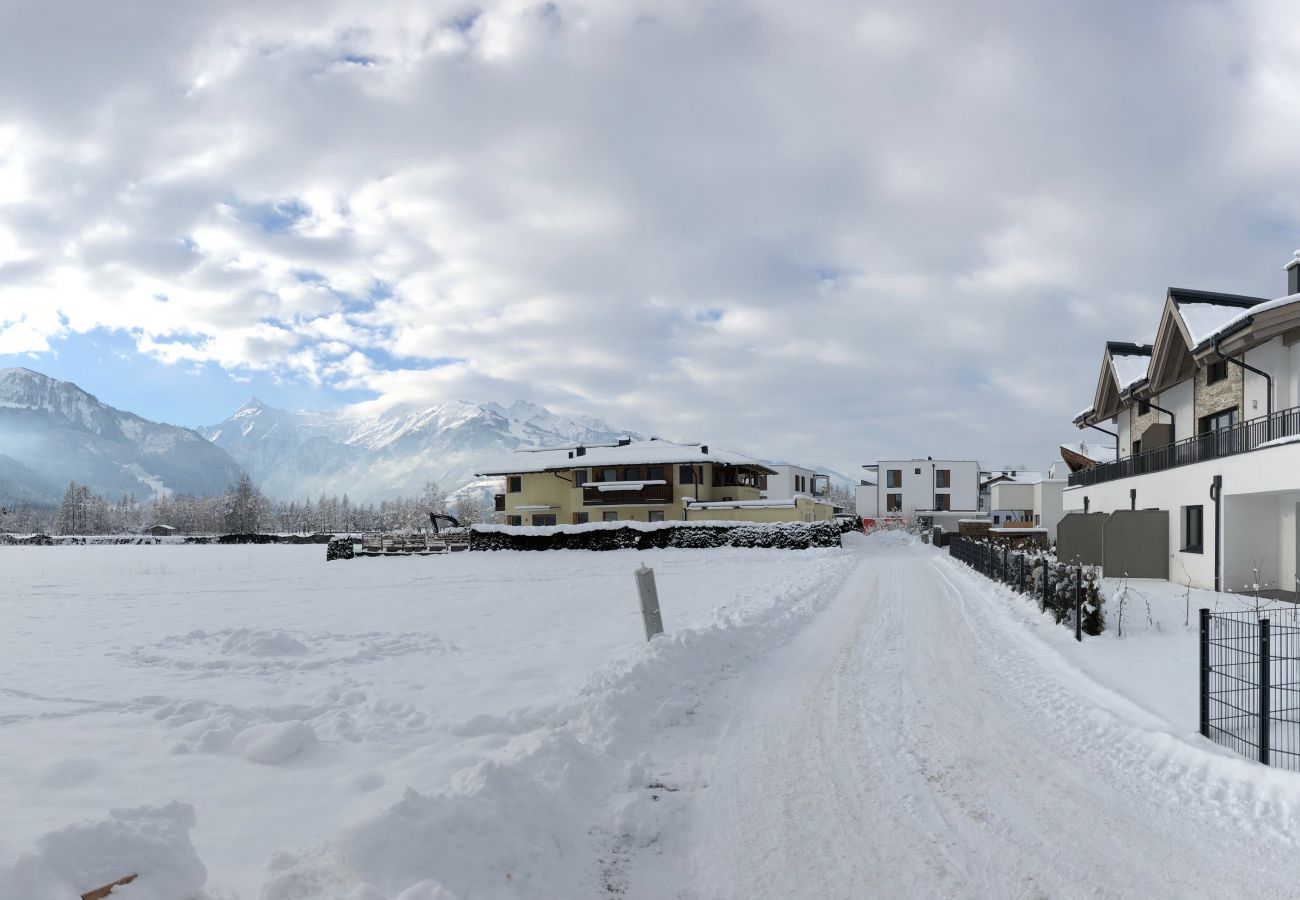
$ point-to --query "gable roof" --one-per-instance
(1123, 366)
(633, 453)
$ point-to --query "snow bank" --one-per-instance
(151, 843)
(520, 823)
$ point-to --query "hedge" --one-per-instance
(636, 536)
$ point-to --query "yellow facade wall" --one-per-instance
(557, 491)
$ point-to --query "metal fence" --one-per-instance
(1250, 683)
(1057, 588)
(1240, 438)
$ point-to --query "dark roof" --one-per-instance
(1188, 295)
(1126, 348)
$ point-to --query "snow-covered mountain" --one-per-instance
(302, 454)
(53, 432)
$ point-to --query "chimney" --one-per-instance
(581, 451)
(1293, 275)
(704, 448)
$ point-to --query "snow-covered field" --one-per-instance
(353, 729)
(250, 722)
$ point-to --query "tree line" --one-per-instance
(242, 508)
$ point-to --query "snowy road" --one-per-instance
(916, 739)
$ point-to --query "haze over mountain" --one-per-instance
(53, 432)
(302, 454)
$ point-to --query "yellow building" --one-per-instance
(644, 481)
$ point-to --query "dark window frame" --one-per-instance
(581, 518)
(655, 515)
(609, 515)
(686, 474)
(514, 520)
(1193, 529)
(654, 473)
(893, 503)
(631, 473)
(548, 520)
(893, 478)
(1216, 371)
(945, 505)
(580, 477)
(943, 478)
(1144, 407)
(514, 484)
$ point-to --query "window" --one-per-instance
(609, 516)
(1137, 447)
(1193, 541)
(943, 478)
(514, 484)
(893, 503)
(632, 473)
(1216, 371)
(894, 478)
(609, 474)
(579, 477)
(655, 515)
(943, 502)
(1219, 421)
(686, 474)
(1144, 407)
(654, 473)
(548, 519)
(580, 519)
(514, 520)
(916, 472)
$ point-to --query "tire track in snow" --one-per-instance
(909, 742)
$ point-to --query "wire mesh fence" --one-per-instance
(1069, 593)
(1250, 683)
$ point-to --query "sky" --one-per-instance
(825, 232)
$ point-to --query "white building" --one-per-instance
(912, 487)
(1027, 498)
(789, 481)
(1206, 432)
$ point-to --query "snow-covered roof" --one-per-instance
(1241, 315)
(745, 504)
(1100, 453)
(634, 453)
(1014, 477)
(1205, 319)
(1130, 368)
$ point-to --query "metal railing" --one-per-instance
(1250, 683)
(1240, 438)
(1059, 589)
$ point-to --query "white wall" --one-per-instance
(1251, 538)
(782, 483)
(1273, 472)
(1047, 505)
(1010, 495)
(919, 489)
(866, 497)
(1179, 399)
(1123, 430)
(1274, 359)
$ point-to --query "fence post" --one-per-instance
(1020, 581)
(1078, 603)
(645, 585)
(1205, 671)
(1264, 660)
(1005, 556)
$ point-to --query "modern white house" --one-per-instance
(1027, 498)
(788, 480)
(920, 487)
(1208, 431)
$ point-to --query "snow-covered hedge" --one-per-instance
(657, 535)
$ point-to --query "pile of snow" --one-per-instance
(151, 843)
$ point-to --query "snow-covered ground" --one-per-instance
(873, 721)
(380, 722)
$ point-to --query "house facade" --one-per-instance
(1027, 499)
(1206, 433)
(912, 487)
(644, 481)
(789, 480)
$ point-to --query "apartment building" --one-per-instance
(645, 481)
(1206, 422)
(912, 487)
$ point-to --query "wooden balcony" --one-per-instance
(631, 496)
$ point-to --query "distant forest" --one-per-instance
(241, 509)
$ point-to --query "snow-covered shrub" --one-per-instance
(339, 548)
(640, 536)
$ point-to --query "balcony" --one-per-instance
(1244, 437)
(626, 493)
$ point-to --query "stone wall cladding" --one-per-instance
(1217, 397)
(1139, 424)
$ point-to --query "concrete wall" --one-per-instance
(1135, 543)
(1251, 531)
(1079, 538)
(1009, 495)
(918, 484)
(866, 497)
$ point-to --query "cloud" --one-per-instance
(828, 232)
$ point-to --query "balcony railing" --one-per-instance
(1240, 438)
(646, 493)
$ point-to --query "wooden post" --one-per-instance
(645, 585)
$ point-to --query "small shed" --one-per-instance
(159, 530)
